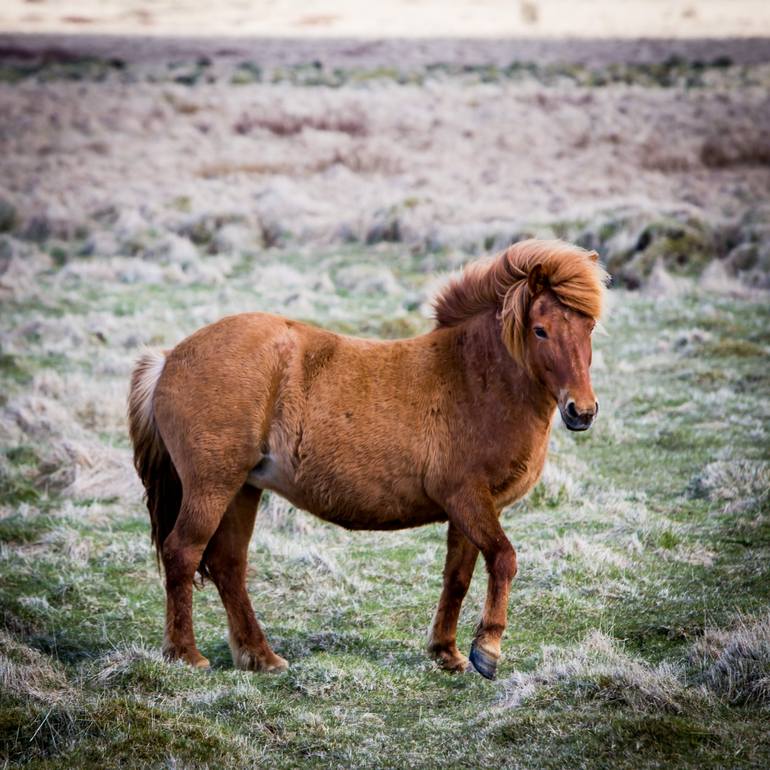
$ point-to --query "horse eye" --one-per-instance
(540, 332)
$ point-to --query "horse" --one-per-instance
(450, 426)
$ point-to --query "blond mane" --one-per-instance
(501, 283)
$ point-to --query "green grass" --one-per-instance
(652, 530)
(674, 72)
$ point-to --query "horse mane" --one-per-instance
(502, 283)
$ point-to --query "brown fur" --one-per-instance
(151, 460)
(452, 425)
(502, 281)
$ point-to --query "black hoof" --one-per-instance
(484, 663)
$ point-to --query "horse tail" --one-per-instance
(163, 488)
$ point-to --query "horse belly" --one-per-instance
(382, 518)
(370, 504)
(354, 503)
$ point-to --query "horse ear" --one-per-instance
(594, 256)
(536, 280)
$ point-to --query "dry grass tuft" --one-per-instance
(739, 145)
(740, 484)
(128, 663)
(592, 556)
(358, 157)
(736, 661)
(70, 459)
(85, 469)
(281, 122)
(282, 516)
(668, 157)
(599, 669)
(28, 673)
(302, 555)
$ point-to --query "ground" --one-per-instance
(142, 198)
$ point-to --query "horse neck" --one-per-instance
(491, 370)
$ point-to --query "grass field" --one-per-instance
(639, 633)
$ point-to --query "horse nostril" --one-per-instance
(572, 410)
(596, 408)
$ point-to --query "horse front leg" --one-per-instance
(461, 556)
(474, 514)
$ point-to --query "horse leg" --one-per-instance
(461, 558)
(226, 559)
(182, 550)
(475, 515)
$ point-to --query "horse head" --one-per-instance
(558, 353)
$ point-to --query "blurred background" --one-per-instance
(394, 18)
(163, 164)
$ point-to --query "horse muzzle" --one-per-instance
(578, 419)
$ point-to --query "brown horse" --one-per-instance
(449, 426)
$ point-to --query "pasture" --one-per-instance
(638, 630)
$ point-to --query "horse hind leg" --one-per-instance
(461, 559)
(182, 550)
(226, 560)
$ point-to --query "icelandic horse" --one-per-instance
(452, 426)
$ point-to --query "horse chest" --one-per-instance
(517, 478)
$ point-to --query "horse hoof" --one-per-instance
(276, 665)
(483, 662)
(192, 658)
(456, 663)
(449, 658)
(258, 660)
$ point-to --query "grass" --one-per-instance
(638, 628)
(674, 72)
